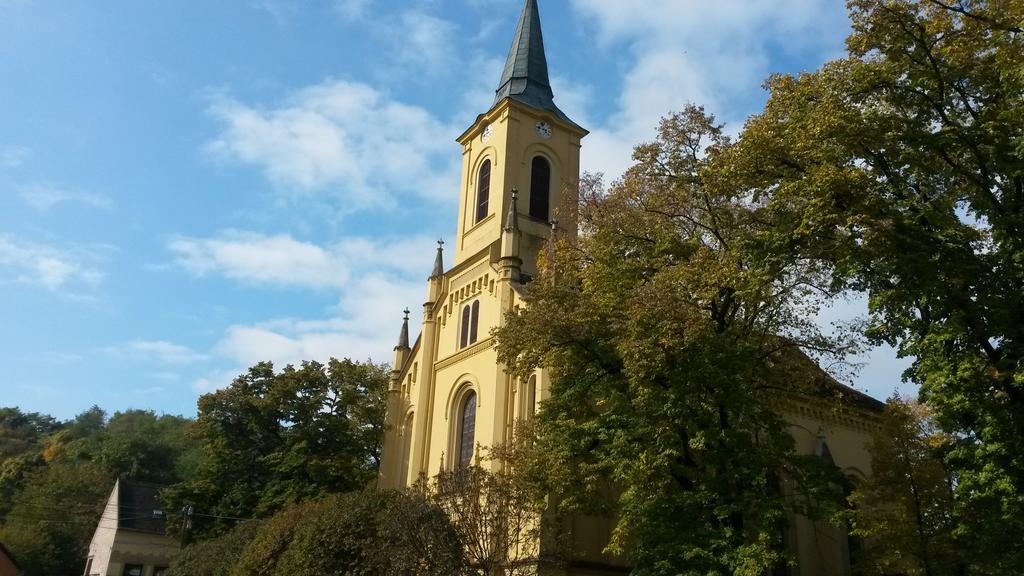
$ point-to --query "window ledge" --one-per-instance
(479, 224)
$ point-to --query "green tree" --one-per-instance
(139, 445)
(902, 166)
(276, 438)
(905, 508)
(53, 487)
(669, 327)
(364, 533)
(21, 449)
(21, 432)
(215, 556)
(52, 519)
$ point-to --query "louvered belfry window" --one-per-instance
(483, 191)
(540, 189)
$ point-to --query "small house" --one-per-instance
(131, 538)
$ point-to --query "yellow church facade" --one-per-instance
(449, 393)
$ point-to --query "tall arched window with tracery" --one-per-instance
(406, 449)
(483, 191)
(540, 189)
(467, 429)
(469, 329)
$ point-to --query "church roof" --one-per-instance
(525, 78)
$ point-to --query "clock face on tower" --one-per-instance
(544, 130)
(488, 131)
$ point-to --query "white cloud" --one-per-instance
(343, 139)
(160, 351)
(709, 53)
(282, 11)
(49, 267)
(282, 260)
(374, 278)
(351, 10)
(258, 259)
(13, 156)
(42, 197)
(424, 43)
(216, 380)
(366, 325)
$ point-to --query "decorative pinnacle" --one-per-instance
(439, 261)
(403, 337)
(512, 220)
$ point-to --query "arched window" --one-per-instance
(464, 331)
(528, 405)
(483, 191)
(540, 189)
(467, 429)
(406, 450)
(470, 324)
(474, 322)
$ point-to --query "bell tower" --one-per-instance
(523, 143)
(449, 393)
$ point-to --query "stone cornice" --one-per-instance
(479, 347)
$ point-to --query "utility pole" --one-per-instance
(186, 522)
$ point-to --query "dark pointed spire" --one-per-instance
(439, 261)
(525, 78)
(512, 219)
(526, 70)
(403, 337)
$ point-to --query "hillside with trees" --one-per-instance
(55, 477)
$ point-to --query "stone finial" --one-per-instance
(403, 337)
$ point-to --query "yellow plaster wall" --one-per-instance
(822, 548)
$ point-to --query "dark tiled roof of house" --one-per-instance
(139, 508)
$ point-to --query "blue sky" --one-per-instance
(189, 187)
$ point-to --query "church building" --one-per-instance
(448, 392)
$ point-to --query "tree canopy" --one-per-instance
(902, 169)
(363, 533)
(906, 507)
(669, 327)
(55, 477)
(276, 438)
